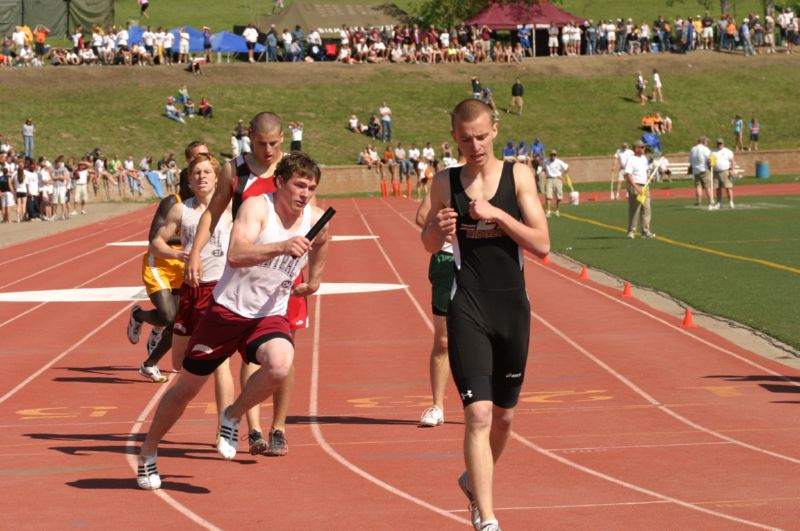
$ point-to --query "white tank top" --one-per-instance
(264, 289)
(213, 254)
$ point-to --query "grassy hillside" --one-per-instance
(583, 106)
(223, 15)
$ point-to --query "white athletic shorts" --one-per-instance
(6, 200)
(59, 195)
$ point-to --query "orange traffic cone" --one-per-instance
(584, 274)
(408, 188)
(546, 259)
(395, 189)
(626, 291)
(384, 189)
(688, 322)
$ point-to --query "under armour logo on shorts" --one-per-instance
(466, 395)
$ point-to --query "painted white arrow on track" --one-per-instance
(135, 293)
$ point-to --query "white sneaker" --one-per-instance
(490, 525)
(147, 476)
(558, 213)
(431, 417)
(716, 205)
(711, 206)
(547, 214)
(134, 326)
(731, 205)
(228, 438)
(475, 514)
(152, 373)
(631, 235)
(154, 340)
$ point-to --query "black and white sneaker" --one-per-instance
(147, 477)
(228, 438)
(475, 514)
(134, 326)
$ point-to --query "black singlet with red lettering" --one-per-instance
(488, 321)
(486, 258)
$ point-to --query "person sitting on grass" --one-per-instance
(172, 112)
(205, 108)
(355, 125)
(189, 108)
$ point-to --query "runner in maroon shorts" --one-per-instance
(182, 219)
(249, 175)
(267, 251)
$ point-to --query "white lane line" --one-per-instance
(132, 457)
(78, 257)
(47, 249)
(63, 353)
(612, 479)
(631, 486)
(313, 412)
(673, 326)
(652, 401)
(29, 310)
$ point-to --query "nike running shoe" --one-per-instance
(277, 444)
(475, 514)
(134, 326)
(152, 373)
(147, 476)
(257, 443)
(431, 417)
(228, 439)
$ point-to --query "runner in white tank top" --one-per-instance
(264, 289)
(267, 247)
(212, 255)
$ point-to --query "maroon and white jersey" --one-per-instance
(248, 184)
(264, 289)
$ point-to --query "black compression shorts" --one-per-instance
(488, 335)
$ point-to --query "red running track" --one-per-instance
(626, 421)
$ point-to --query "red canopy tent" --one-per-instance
(509, 16)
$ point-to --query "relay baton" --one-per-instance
(321, 222)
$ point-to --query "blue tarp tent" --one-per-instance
(195, 39)
(228, 42)
(135, 34)
(155, 182)
(652, 141)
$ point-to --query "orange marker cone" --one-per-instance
(408, 188)
(546, 259)
(688, 322)
(384, 189)
(584, 275)
(626, 291)
(395, 189)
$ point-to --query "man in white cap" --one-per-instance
(554, 170)
(723, 165)
(636, 175)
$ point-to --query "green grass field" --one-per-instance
(224, 15)
(717, 275)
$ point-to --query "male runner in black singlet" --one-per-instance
(492, 211)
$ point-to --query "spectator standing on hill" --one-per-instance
(143, 5)
(207, 44)
(724, 164)
(700, 165)
(552, 39)
(755, 130)
(386, 121)
(657, 93)
(636, 174)
(40, 34)
(250, 35)
(517, 92)
(738, 132)
(297, 136)
(641, 87)
(477, 91)
(28, 131)
(183, 45)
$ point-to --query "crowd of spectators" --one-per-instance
(412, 43)
(38, 189)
